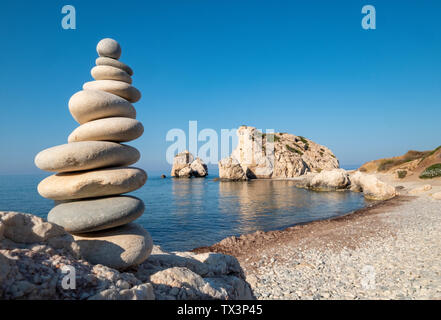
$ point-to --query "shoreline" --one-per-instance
(398, 240)
(236, 245)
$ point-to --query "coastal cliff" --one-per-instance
(275, 155)
(413, 165)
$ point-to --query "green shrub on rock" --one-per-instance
(431, 172)
(401, 174)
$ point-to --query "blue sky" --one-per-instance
(303, 67)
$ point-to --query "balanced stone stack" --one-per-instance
(92, 168)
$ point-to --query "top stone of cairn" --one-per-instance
(109, 48)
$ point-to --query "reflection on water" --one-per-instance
(186, 213)
(273, 204)
(182, 214)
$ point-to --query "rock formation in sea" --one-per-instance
(93, 168)
(34, 254)
(185, 166)
(277, 155)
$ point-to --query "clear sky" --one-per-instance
(303, 67)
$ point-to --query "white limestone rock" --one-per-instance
(280, 155)
(371, 187)
(198, 168)
(180, 161)
(327, 180)
(230, 169)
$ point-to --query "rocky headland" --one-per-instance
(413, 165)
(286, 156)
(275, 155)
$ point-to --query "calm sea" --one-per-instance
(182, 214)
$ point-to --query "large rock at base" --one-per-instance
(180, 161)
(141, 292)
(86, 155)
(27, 228)
(230, 169)
(88, 105)
(186, 275)
(120, 88)
(32, 270)
(32, 261)
(371, 187)
(96, 214)
(198, 168)
(337, 179)
(90, 184)
(117, 129)
(118, 248)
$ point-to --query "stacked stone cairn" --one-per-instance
(93, 168)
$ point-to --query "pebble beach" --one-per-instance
(389, 250)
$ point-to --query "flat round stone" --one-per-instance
(105, 61)
(87, 105)
(96, 214)
(108, 129)
(108, 48)
(120, 88)
(117, 248)
(86, 155)
(90, 184)
(110, 73)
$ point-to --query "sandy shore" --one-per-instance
(390, 250)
